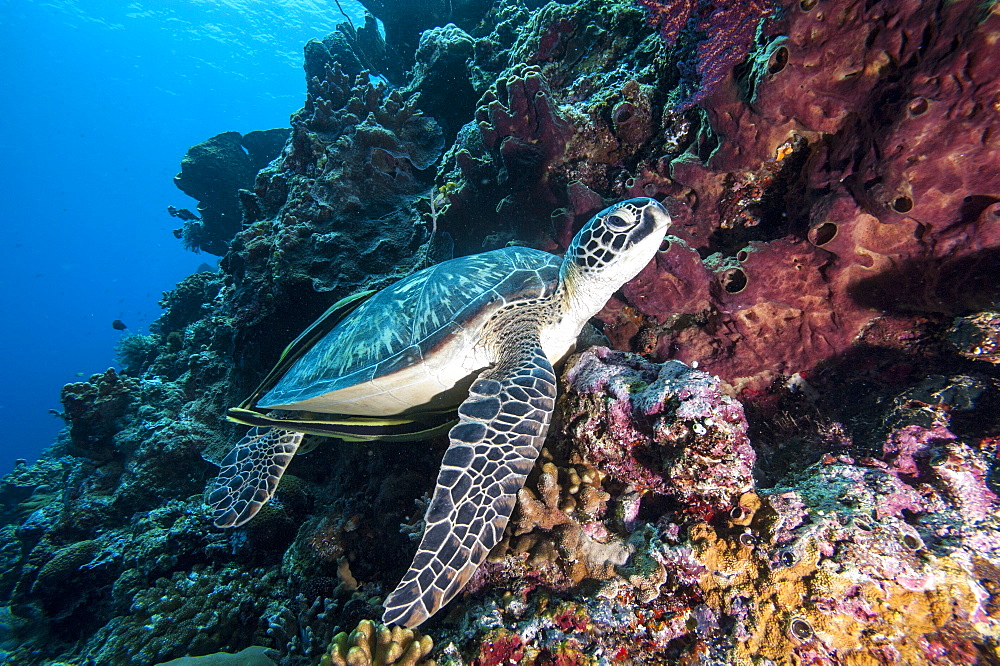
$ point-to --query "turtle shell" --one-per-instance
(413, 344)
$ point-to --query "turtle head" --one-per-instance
(613, 247)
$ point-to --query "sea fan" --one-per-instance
(722, 33)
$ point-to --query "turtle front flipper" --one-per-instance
(494, 446)
(249, 474)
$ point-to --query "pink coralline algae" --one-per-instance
(667, 428)
(853, 559)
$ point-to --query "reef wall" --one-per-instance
(819, 489)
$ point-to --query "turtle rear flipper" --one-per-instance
(249, 474)
(494, 446)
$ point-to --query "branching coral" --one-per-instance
(557, 529)
(561, 496)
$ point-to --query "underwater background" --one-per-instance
(104, 98)
(783, 450)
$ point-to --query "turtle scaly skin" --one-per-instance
(483, 331)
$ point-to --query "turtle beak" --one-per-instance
(654, 220)
(655, 217)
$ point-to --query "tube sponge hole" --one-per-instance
(624, 112)
(822, 234)
(733, 280)
(902, 204)
(778, 60)
(800, 629)
(918, 107)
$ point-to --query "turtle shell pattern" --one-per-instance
(408, 322)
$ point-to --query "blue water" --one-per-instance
(100, 100)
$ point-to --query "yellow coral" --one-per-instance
(377, 645)
(797, 602)
(564, 494)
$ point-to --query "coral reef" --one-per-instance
(883, 559)
(828, 151)
(406, 23)
(94, 410)
(187, 613)
(358, 150)
(213, 172)
(787, 454)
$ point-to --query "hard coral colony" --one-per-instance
(783, 450)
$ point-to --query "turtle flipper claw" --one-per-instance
(249, 474)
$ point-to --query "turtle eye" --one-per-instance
(619, 221)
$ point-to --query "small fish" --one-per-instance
(182, 213)
(118, 325)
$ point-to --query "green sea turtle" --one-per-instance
(479, 332)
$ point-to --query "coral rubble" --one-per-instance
(788, 454)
